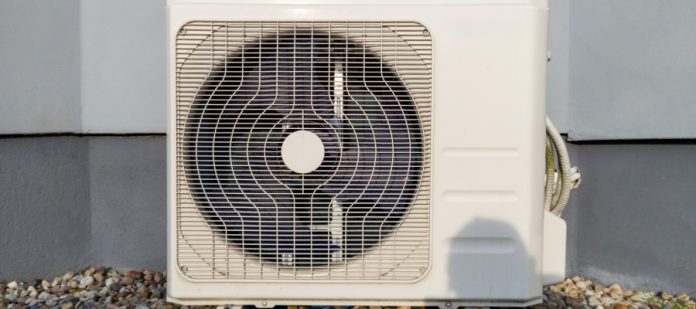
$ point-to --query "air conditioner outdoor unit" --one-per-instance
(337, 152)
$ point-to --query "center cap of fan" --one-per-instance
(302, 151)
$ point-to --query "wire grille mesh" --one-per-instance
(364, 89)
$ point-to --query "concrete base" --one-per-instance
(68, 202)
(635, 215)
(44, 206)
(128, 177)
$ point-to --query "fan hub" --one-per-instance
(302, 151)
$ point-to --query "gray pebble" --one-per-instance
(67, 306)
(67, 276)
(44, 295)
(86, 281)
(142, 306)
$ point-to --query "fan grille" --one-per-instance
(363, 88)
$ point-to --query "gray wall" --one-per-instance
(124, 69)
(68, 202)
(82, 66)
(39, 66)
(635, 215)
(557, 73)
(632, 69)
(44, 206)
(620, 70)
(102, 200)
(128, 178)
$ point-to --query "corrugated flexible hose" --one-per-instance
(561, 178)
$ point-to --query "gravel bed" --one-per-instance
(578, 292)
(107, 288)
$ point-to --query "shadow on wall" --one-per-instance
(485, 267)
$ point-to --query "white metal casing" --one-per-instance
(489, 64)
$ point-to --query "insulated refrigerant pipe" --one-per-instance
(561, 179)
